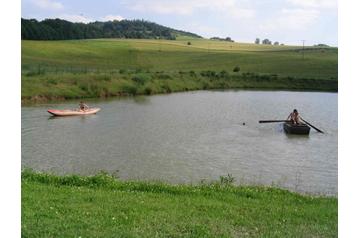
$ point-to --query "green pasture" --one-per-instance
(176, 55)
(106, 67)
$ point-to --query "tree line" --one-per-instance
(58, 29)
(266, 42)
(221, 39)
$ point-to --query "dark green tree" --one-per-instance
(266, 42)
(57, 29)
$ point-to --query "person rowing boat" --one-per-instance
(77, 112)
(294, 117)
(83, 106)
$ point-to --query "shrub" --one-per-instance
(223, 74)
(130, 89)
(236, 69)
(83, 85)
(164, 76)
(167, 88)
(227, 180)
(192, 73)
(95, 90)
(148, 90)
(265, 77)
(189, 43)
(206, 85)
(208, 73)
(141, 78)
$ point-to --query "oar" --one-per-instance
(312, 126)
(271, 121)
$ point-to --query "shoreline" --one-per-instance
(41, 100)
(57, 179)
(67, 86)
(27, 102)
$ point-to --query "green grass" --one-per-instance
(164, 55)
(101, 206)
(43, 86)
(69, 69)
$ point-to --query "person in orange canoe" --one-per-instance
(83, 106)
(294, 117)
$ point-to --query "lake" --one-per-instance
(191, 137)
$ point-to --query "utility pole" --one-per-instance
(303, 49)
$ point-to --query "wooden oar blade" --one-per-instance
(312, 126)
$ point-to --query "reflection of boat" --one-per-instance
(73, 112)
(300, 129)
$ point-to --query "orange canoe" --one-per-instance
(73, 112)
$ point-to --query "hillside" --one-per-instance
(168, 55)
(53, 70)
(57, 29)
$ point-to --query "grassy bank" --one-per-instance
(101, 206)
(110, 67)
(43, 86)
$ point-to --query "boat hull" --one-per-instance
(73, 112)
(300, 129)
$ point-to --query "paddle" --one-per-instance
(312, 126)
(271, 121)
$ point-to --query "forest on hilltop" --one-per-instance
(58, 29)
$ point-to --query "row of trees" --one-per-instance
(266, 42)
(57, 29)
(222, 39)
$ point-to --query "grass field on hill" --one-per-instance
(101, 206)
(61, 62)
(165, 55)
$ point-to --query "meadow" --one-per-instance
(102, 206)
(66, 69)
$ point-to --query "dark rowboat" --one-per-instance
(300, 129)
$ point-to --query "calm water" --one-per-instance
(188, 137)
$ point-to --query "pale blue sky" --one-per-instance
(286, 21)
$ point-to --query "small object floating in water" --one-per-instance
(298, 129)
(73, 112)
(243, 123)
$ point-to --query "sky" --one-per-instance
(286, 21)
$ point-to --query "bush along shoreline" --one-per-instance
(42, 85)
(102, 206)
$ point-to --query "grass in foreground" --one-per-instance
(101, 206)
